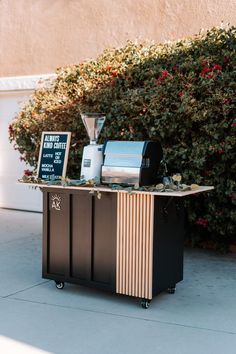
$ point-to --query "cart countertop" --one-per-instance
(200, 189)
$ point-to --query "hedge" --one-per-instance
(181, 93)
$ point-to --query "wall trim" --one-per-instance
(25, 83)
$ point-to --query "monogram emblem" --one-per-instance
(56, 202)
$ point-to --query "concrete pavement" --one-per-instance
(35, 317)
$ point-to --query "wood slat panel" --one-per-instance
(134, 244)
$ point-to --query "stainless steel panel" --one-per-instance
(111, 174)
(123, 160)
(124, 153)
(125, 147)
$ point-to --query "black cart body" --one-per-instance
(130, 244)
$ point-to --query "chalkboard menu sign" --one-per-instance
(53, 155)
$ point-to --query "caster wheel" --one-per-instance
(59, 285)
(145, 303)
(171, 290)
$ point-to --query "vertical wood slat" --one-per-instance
(136, 253)
(140, 247)
(130, 246)
(134, 244)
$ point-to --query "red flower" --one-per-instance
(175, 68)
(108, 68)
(181, 93)
(217, 67)
(164, 74)
(221, 151)
(114, 73)
(201, 222)
(204, 72)
(28, 173)
(207, 70)
(233, 124)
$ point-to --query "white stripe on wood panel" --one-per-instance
(134, 244)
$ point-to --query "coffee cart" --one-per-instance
(126, 243)
(129, 244)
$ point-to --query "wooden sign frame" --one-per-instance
(67, 148)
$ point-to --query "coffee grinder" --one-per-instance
(93, 153)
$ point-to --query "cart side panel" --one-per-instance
(45, 235)
(104, 240)
(81, 237)
(56, 233)
(168, 243)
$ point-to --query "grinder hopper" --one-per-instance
(93, 123)
(92, 154)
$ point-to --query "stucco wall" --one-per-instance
(12, 194)
(14, 92)
(36, 36)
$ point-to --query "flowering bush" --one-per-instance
(180, 93)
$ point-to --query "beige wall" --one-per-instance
(37, 36)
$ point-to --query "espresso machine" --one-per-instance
(92, 159)
(131, 162)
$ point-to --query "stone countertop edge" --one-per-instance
(107, 189)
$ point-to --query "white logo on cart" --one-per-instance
(56, 202)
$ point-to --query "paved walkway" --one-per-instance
(36, 318)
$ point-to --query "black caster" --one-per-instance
(171, 289)
(59, 284)
(145, 303)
